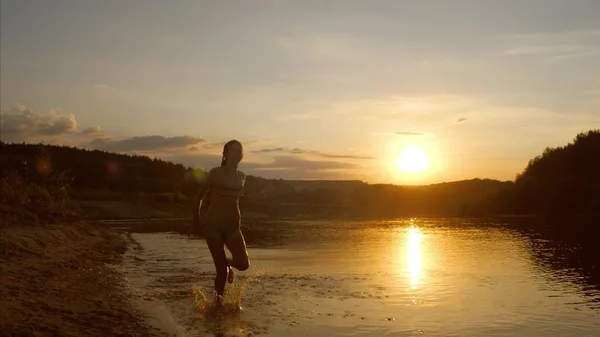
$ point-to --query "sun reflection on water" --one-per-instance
(414, 258)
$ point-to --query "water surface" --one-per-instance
(420, 277)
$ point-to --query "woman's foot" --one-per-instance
(219, 301)
(230, 275)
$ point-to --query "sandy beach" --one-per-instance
(57, 281)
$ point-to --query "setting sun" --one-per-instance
(412, 160)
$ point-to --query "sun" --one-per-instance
(412, 160)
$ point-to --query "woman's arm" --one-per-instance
(204, 190)
(242, 177)
(210, 180)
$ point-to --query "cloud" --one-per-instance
(214, 145)
(558, 37)
(144, 143)
(101, 86)
(557, 46)
(407, 108)
(285, 165)
(293, 167)
(22, 124)
(297, 116)
(221, 144)
(546, 49)
(344, 156)
(556, 52)
(438, 111)
(297, 151)
(295, 163)
(62, 124)
(409, 133)
(334, 47)
(95, 131)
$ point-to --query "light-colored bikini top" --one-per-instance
(231, 189)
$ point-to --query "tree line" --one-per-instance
(563, 179)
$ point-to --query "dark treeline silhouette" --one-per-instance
(93, 170)
(563, 180)
(96, 169)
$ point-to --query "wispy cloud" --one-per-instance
(217, 146)
(560, 37)
(336, 47)
(417, 111)
(297, 116)
(297, 151)
(460, 120)
(547, 49)
(344, 156)
(285, 166)
(101, 86)
(409, 133)
(556, 52)
(145, 143)
(556, 46)
(301, 164)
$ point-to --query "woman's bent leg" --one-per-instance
(237, 246)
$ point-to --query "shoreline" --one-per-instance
(58, 280)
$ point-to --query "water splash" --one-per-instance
(205, 300)
(223, 316)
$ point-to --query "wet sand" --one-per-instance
(60, 280)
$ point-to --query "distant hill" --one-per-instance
(325, 184)
(448, 199)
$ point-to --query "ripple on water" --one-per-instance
(465, 288)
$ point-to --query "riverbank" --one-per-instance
(58, 280)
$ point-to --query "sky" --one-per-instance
(313, 89)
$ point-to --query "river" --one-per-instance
(409, 277)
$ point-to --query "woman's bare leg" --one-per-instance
(237, 246)
(217, 250)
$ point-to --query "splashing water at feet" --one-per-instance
(231, 301)
(222, 315)
(208, 302)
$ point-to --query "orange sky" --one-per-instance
(312, 93)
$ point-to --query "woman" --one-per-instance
(221, 223)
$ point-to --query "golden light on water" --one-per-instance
(414, 258)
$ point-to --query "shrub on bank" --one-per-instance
(30, 199)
